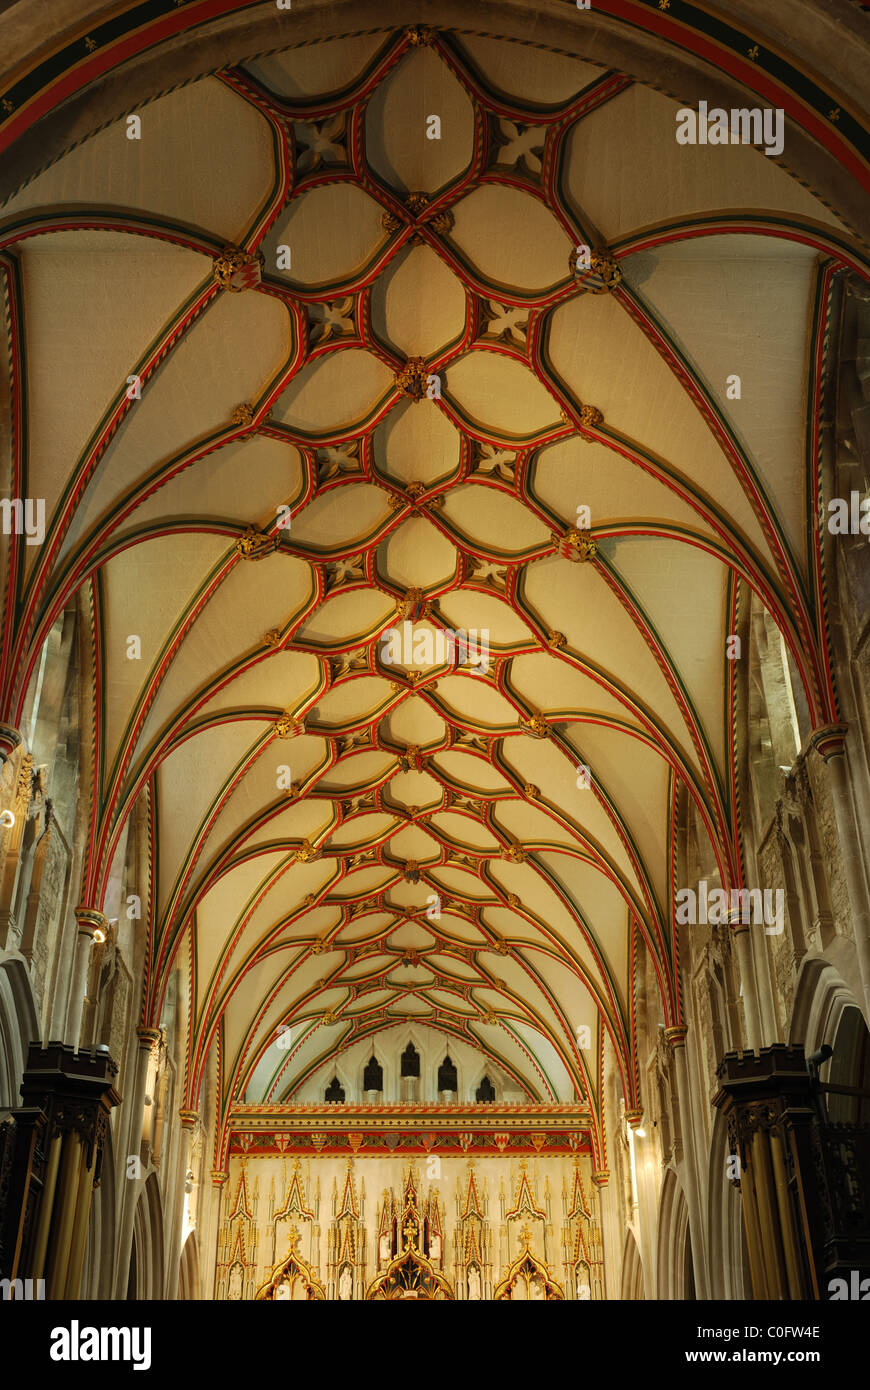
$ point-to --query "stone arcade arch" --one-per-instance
(822, 998)
(632, 1286)
(827, 1011)
(215, 44)
(97, 1275)
(850, 1066)
(674, 1265)
(188, 1279)
(146, 1255)
(19, 1026)
(726, 1239)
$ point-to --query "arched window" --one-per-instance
(447, 1080)
(334, 1091)
(373, 1075)
(485, 1091)
(410, 1061)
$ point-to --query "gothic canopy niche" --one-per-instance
(292, 1280)
(527, 1278)
(410, 1274)
(339, 379)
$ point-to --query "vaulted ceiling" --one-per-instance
(291, 373)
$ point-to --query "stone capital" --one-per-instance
(10, 738)
(829, 741)
(601, 1177)
(633, 1118)
(735, 922)
(91, 922)
(676, 1036)
(188, 1118)
(218, 1178)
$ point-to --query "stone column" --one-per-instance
(755, 946)
(794, 906)
(188, 1119)
(749, 981)
(642, 1157)
(132, 1149)
(91, 926)
(830, 744)
(611, 1270)
(804, 835)
(676, 1038)
(213, 1243)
